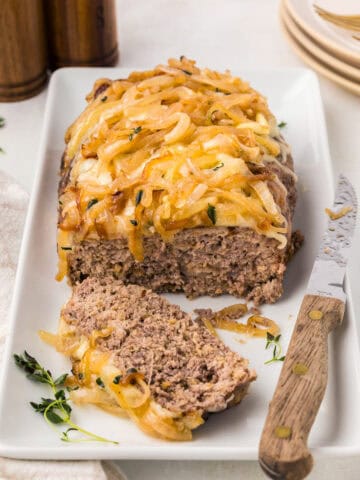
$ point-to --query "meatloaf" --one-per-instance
(127, 337)
(206, 212)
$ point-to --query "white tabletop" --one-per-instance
(225, 34)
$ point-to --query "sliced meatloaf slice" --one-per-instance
(132, 349)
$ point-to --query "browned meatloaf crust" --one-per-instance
(188, 369)
(199, 261)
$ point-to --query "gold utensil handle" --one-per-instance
(283, 451)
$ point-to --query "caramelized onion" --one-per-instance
(256, 326)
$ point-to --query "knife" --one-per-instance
(283, 450)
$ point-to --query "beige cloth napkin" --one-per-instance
(13, 205)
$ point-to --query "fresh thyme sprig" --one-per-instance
(277, 350)
(55, 410)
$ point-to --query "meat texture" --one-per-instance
(187, 368)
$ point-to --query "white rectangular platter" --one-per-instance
(294, 97)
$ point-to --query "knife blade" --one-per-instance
(329, 268)
(283, 451)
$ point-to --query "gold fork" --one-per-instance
(348, 22)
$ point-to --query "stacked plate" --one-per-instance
(330, 49)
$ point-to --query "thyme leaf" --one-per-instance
(138, 197)
(211, 212)
(65, 435)
(100, 382)
(117, 379)
(218, 166)
(134, 132)
(282, 124)
(91, 203)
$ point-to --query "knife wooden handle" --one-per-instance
(283, 451)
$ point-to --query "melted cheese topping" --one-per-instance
(169, 149)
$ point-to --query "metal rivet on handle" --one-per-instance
(299, 369)
(282, 431)
(315, 315)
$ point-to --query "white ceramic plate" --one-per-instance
(318, 63)
(338, 41)
(234, 434)
(344, 69)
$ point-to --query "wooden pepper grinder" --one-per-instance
(81, 33)
(23, 63)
